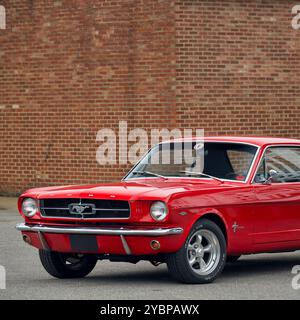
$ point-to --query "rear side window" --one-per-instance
(284, 160)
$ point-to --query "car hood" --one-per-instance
(134, 189)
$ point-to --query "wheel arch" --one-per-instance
(216, 217)
(218, 221)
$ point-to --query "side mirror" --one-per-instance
(272, 174)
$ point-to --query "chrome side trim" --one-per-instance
(104, 231)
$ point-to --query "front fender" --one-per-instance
(187, 218)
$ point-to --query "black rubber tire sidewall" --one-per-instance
(52, 263)
(178, 264)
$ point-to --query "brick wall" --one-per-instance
(70, 68)
(236, 67)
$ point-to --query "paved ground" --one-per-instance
(253, 277)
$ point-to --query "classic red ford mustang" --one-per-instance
(229, 196)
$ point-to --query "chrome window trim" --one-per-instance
(262, 157)
(80, 218)
(214, 141)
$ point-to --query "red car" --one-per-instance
(230, 196)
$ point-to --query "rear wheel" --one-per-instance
(203, 256)
(67, 265)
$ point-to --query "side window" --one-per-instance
(284, 160)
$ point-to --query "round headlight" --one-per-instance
(29, 207)
(159, 211)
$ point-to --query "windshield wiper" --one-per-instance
(203, 175)
(149, 173)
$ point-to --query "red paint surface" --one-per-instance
(268, 215)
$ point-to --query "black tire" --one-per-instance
(58, 264)
(178, 263)
(232, 259)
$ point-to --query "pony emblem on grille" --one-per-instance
(82, 209)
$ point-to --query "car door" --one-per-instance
(277, 214)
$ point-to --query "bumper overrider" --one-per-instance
(121, 240)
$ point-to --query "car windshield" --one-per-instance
(205, 160)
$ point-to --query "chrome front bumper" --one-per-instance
(122, 231)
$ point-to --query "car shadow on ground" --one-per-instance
(120, 278)
(243, 268)
(257, 266)
(150, 274)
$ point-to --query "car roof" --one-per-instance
(258, 141)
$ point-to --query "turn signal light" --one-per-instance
(26, 238)
(155, 245)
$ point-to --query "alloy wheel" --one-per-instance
(203, 252)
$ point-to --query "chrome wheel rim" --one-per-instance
(203, 252)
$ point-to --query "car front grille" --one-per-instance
(91, 208)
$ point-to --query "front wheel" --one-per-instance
(203, 256)
(67, 265)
